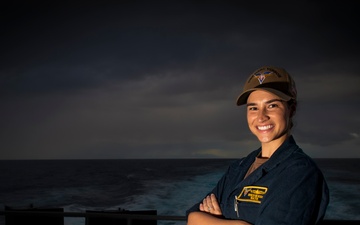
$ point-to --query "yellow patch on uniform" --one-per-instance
(252, 194)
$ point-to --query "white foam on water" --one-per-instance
(173, 198)
(74, 220)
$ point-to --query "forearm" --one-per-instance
(199, 218)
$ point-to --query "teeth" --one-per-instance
(265, 127)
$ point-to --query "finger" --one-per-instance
(215, 203)
(201, 207)
(204, 206)
(209, 204)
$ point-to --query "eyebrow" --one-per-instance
(267, 102)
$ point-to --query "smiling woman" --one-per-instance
(269, 120)
(277, 183)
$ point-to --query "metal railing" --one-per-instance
(90, 215)
(130, 217)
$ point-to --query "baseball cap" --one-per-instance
(272, 79)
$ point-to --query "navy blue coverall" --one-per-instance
(287, 189)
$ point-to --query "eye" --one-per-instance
(252, 108)
(273, 105)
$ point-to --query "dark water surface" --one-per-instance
(170, 186)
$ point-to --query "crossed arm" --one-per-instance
(211, 214)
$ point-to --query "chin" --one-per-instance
(265, 140)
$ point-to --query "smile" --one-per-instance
(267, 127)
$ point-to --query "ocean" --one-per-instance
(169, 186)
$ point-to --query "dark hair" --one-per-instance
(292, 104)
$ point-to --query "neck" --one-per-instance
(267, 149)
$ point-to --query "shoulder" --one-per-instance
(293, 156)
(299, 157)
(300, 163)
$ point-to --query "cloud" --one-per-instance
(209, 153)
(345, 149)
(176, 113)
(161, 80)
(355, 135)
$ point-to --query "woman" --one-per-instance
(277, 183)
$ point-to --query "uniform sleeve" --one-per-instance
(299, 196)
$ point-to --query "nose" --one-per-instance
(262, 115)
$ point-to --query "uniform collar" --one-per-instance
(282, 153)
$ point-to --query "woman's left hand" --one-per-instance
(210, 205)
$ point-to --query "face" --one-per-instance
(268, 117)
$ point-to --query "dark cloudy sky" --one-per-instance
(145, 79)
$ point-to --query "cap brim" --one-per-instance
(242, 99)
